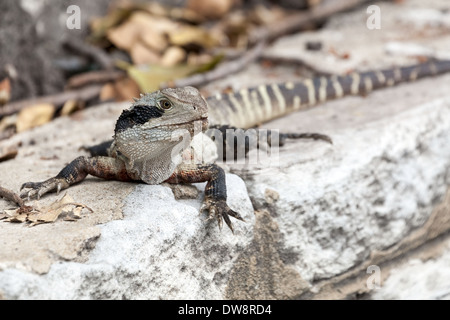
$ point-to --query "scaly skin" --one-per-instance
(145, 149)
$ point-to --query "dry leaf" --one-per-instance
(267, 16)
(173, 56)
(188, 35)
(34, 116)
(156, 23)
(100, 26)
(10, 212)
(70, 107)
(73, 215)
(5, 91)
(126, 35)
(46, 214)
(156, 9)
(186, 14)
(211, 9)
(108, 92)
(52, 212)
(150, 77)
(126, 89)
(140, 54)
(199, 59)
(18, 218)
(154, 40)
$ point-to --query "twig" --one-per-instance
(91, 77)
(86, 49)
(11, 196)
(301, 20)
(84, 94)
(298, 60)
(221, 71)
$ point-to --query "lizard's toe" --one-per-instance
(220, 210)
(38, 189)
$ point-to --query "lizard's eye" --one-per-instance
(165, 104)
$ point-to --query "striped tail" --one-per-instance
(251, 107)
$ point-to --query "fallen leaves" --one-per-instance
(210, 9)
(120, 90)
(152, 38)
(5, 91)
(150, 77)
(34, 116)
(142, 47)
(65, 208)
(70, 106)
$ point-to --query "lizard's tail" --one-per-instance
(251, 107)
(384, 78)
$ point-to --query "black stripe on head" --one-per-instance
(137, 115)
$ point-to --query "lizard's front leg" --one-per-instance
(215, 190)
(103, 167)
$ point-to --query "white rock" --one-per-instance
(161, 249)
(417, 280)
(375, 184)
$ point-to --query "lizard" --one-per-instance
(145, 142)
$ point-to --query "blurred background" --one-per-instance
(79, 53)
(74, 54)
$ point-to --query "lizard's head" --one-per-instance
(151, 135)
(167, 108)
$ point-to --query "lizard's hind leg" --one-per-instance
(101, 149)
(215, 191)
(103, 167)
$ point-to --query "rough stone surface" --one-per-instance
(418, 279)
(345, 202)
(261, 270)
(184, 257)
(42, 153)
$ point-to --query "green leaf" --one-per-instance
(150, 77)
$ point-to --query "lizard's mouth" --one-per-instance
(204, 121)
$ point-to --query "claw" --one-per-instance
(204, 207)
(236, 215)
(38, 189)
(228, 222)
(219, 222)
(219, 209)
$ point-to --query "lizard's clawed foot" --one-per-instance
(220, 210)
(38, 189)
